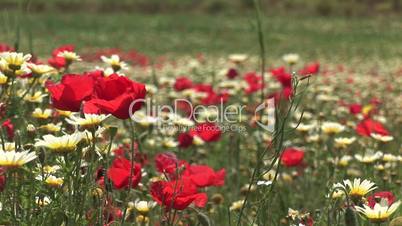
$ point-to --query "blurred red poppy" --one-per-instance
(369, 126)
(119, 173)
(9, 127)
(204, 176)
(5, 48)
(185, 140)
(282, 76)
(355, 108)
(207, 131)
(177, 194)
(182, 83)
(310, 69)
(292, 157)
(254, 82)
(232, 73)
(214, 98)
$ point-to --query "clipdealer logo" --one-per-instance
(226, 115)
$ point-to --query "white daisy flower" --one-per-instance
(69, 56)
(15, 159)
(114, 62)
(291, 58)
(380, 212)
(64, 144)
(89, 120)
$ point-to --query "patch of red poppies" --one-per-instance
(97, 94)
(184, 181)
(369, 126)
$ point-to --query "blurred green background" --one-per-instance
(330, 29)
(300, 7)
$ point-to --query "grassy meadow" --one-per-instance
(188, 34)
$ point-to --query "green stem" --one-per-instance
(132, 138)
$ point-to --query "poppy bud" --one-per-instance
(217, 198)
(112, 131)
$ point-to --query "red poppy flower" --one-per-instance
(369, 126)
(9, 127)
(119, 173)
(254, 82)
(282, 76)
(204, 176)
(185, 140)
(72, 90)
(115, 95)
(182, 83)
(292, 157)
(178, 194)
(376, 197)
(232, 73)
(207, 131)
(310, 69)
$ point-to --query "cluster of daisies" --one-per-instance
(377, 208)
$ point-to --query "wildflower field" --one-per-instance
(257, 120)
